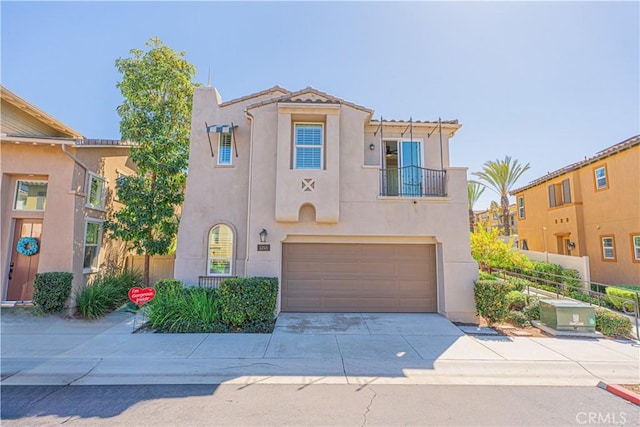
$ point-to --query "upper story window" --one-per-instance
(220, 260)
(224, 148)
(560, 194)
(600, 175)
(635, 247)
(521, 207)
(30, 196)
(308, 145)
(96, 191)
(608, 248)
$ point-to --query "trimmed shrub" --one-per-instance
(623, 298)
(490, 301)
(517, 318)
(571, 277)
(516, 301)
(612, 324)
(483, 275)
(248, 301)
(532, 309)
(518, 283)
(51, 291)
(168, 284)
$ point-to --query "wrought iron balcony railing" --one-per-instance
(413, 181)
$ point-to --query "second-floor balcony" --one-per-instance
(412, 181)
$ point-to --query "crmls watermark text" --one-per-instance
(601, 418)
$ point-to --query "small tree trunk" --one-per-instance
(505, 214)
(146, 270)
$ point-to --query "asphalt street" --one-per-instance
(313, 405)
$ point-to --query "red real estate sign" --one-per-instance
(141, 296)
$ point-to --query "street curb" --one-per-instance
(621, 392)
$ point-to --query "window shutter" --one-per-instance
(566, 191)
(552, 196)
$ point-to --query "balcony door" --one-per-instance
(403, 168)
(411, 168)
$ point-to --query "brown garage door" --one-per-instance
(358, 278)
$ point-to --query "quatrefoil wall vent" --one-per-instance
(308, 184)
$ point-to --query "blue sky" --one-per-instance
(545, 82)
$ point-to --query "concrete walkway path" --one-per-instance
(303, 349)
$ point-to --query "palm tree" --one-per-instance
(500, 176)
(474, 191)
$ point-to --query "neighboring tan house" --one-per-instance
(351, 214)
(591, 208)
(492, 218)
(57, 187)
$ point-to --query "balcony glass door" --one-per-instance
(411, 168)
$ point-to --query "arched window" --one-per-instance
(220, 260)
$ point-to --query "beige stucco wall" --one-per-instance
(261, 191)
(613, 211)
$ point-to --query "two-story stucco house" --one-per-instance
(589, 208)
(57, 187)
(351, 214)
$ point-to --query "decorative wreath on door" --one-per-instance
(27, 246)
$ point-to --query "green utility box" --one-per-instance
(566, 315)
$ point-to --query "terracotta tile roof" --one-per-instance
(607, 152)
(275, 88)
(330, 99)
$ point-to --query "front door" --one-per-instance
(23, 269)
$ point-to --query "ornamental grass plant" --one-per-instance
(106, 292)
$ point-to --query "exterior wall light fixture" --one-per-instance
(263, 236)
(372, 146)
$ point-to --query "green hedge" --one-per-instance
(51, 291)
(515, 300)
(532, 309)
(490, 298)
(244, 304)
(612, 324)
(483, 275)
(619, 296)
(248, 301)
(517, 318)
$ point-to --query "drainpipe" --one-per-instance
(78, 162)
(246, 257)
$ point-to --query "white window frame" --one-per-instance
(595, 173)
(90, 177)
(209, 258)
(612, 248)
(15, 195)
(320, 147)
(635, 248)
(220, 141)
(521, 212)
(98, 245)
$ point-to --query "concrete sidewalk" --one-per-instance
(304, 349)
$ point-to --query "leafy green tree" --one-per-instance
(500, 176)
(474, 191)
(157, 88)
